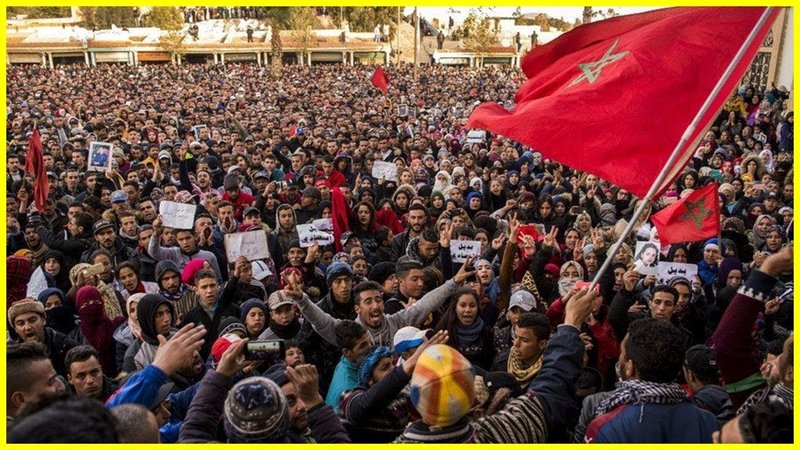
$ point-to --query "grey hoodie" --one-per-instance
(325, 325)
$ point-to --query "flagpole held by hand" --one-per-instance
(680, 147)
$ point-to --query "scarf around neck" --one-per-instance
(517, 368)
(469, 335)
(632, 392)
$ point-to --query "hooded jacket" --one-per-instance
(60, 318)
(146, 314)
(184, 300)
(278, 240)
(180, 257)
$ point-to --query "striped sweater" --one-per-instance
(548, 405)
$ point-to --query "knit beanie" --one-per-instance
(442, 386)
(277, 373)
(191, 269)
(369, 363)
(336, 270)
(231, 182)
(256, 411)
(25, 306)
(231, 324)
(250, 304)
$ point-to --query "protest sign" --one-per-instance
(476, 137)
(324, 225)
(310, 234)
(100, 157)
(177, 215)
(196, 129)
(646, 260)
(250, 244)
(460, 250)
(669, 270)
(385, 170)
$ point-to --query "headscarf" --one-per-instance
(369, 362)
(59, 318)
(62, 277)
(476, 180)
(565, 284)
(725, 267)
(97, 329)
(769, 165)
(110, 303)
(133, 319)
(758, 240)
(443, 187)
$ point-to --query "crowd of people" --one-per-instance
(123, 329)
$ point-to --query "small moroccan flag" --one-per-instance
(692, 218)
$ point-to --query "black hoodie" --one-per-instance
(146, 314)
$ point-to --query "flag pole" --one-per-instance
(682, 143)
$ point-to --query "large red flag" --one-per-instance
(692, 218)
(34, 165)
(380, 80)
(614, 97)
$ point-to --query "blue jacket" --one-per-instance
(682, 422)
(345, 377)
(142, 388)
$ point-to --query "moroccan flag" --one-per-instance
(380, 80)
(340, 213)
(692, 218)
(34, 165)
(614, 97)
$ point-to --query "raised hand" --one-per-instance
(179, 350)
(465, 271)
(439, 338)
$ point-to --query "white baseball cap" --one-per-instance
(408, 337)
(523, 299)
(260, 270)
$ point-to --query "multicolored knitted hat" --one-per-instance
(442, 386)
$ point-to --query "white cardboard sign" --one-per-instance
(250, 244)
(177, 215)
(385, 170)
(310, 234)
(460, 250)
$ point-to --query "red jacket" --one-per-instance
(243, 200)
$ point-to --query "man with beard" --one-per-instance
(310, 419)
(35, 243)
(27, 318)
(106, 239)
(168, 277)
(416, 220)
(425, 248)
(285, 232)
(164, 385)
(369, 308)
(204, 182)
